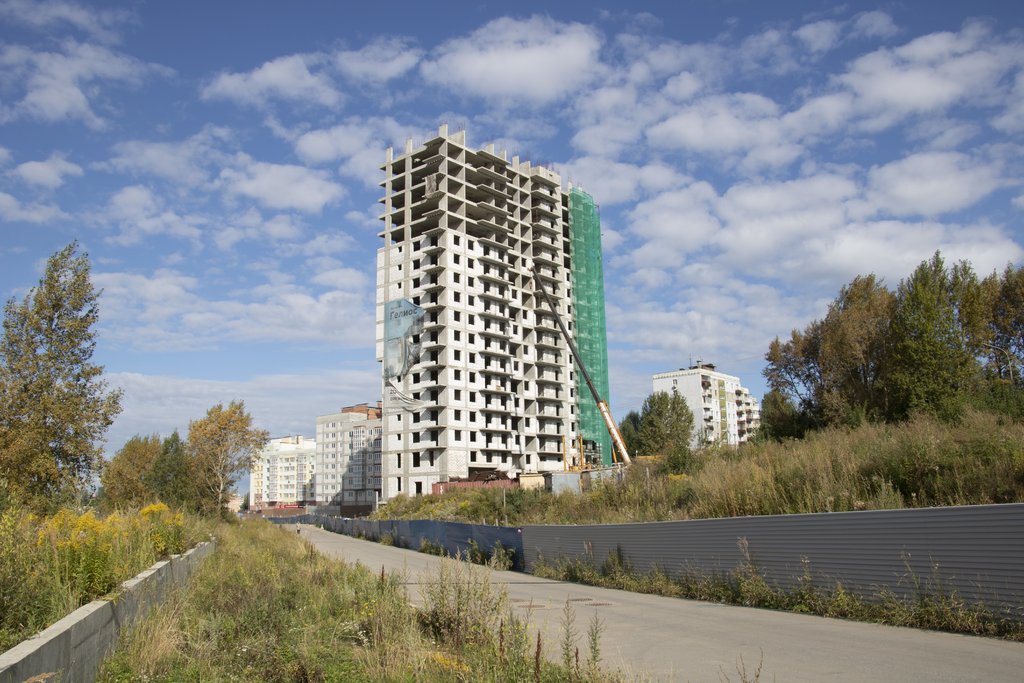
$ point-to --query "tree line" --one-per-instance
(943, 341)
(55, 408)
(195, 474)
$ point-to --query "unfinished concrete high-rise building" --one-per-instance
(476, 376)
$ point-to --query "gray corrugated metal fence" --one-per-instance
(978, 551)
(456, 538)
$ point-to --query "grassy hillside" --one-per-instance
(921, 463)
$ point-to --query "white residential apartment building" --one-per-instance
(348, 457)
(476, 376)
(723, 410)
(282, 473)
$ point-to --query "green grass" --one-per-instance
(267, 607)
(921, 463)
(51, 566)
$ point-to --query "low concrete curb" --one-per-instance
(71, 650)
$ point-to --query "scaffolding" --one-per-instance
(589, 316)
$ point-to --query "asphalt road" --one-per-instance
(668, 639)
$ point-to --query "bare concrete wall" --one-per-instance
(73, 648)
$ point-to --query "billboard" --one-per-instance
(403, 320)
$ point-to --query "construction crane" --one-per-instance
(602, 405)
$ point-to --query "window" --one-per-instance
(458, 414)
(458, 394)
(472, 358)
(419, 488)
(457, 317)
(399, 456)
(470, 282)
(458, 336)
(472, 397)
(457, 260)
(458, 354)
(472, 338)
(458, 375)
(456, 277)
(458, 297)
(456, 240)
(416, 457)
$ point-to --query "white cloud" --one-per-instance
(49, 174)
(56, 83)
(185, 162)
(332, 144)
(536, 59)
(673, 224)
(720, 124)
(45, 14)
(251, 225)
(5, 156)
(682, 86)
(11, 209)
(613, 182)
(929, 184)
(874, 24)
(343, 278)
(820, 36)
(929, 74)
(139, 213)
(284, 404)
(379, 61)
(286, 78)
(282, 186)
(168, 311)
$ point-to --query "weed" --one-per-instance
(932, 606)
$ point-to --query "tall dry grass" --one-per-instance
(920, 463)
(51, 566)
(266, 607)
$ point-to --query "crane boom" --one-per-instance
(602, 405)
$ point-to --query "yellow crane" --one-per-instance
(602, 405)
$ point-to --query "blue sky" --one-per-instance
(220, 166)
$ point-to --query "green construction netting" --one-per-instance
(589, 318)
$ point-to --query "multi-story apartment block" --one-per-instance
(476, 375)
(282, 473)
(723, 411)
(348, 457)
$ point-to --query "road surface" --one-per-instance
(669, 639)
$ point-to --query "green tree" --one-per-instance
(124, 477)
(665, 429)
(832, 372)
(220, 447)
(54, 405)
(629, 430)
(935, 340)
(168, 478)
(781, 419)
(1006, 352)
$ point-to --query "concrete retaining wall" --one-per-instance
(72, 649)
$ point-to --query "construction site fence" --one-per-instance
(974, 552)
